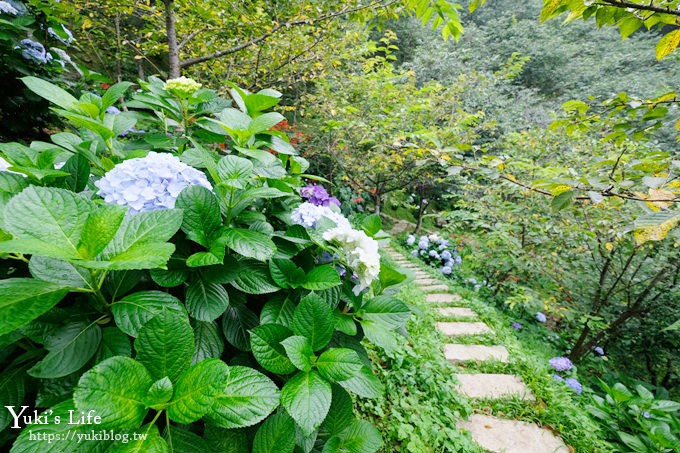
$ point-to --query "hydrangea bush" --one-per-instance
(435, 251)
(175, 283)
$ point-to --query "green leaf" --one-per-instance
(386, 311)
(49, 91)
(51, 219)
(61, 272)
(153, 443)
(372, 224)
(201, 259)
(202, 217)
(322, 277)
(24, 299)
(360, 437)
(668, 43)
(114, 93)
(115, 390)
(389, 276)
(159, 393)
(365, 384)
(286, 274)
(265, 122)
(165, 345)
(208, 343)
(206, 301)
(78, 168)
(169, 278)
(196, 390)
(275, 435)
(339, 364)
(341, 413)
(183, 441)
(344, 322)
(313, 319)
(70, 347)
(265, 342)
(12, 393)
(248, 398)
(114, 342)
(378, 334)
(236, 323)
(226, 440)
(307, 398)
(299, 352)
(235, 171)
(250, 244)
(278, 311)
(563, 200)
(99, 229)
(134, 310)
(254, 278)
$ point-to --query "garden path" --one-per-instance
(491, 433)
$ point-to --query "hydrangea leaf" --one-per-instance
(250, 244)
(275, 435)
(165, 345)
(134, 310)
(278, 311)
(265, 342)
(299, 352)
(254, 278)
(322, 277)
(365, 384)
(387, 311)
(99, 229)
(339, 364)
(248, 398)
(202, 216)
(183, 441)
(307, 398)
(341, 413)
(285, 273)
(61, 272)
(114, 342)
(50, 91)
(359, 437)
(236, 323)
(24, 299)
(208, 343)
(159, 393)
(206, 301)
(70, 347)
(115, 390)
(196, 390)
(12, 392)
(313, 319)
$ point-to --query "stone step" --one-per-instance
(511, 436)
(434, 288)
(463, 328)
(493, 386)
(426, 281)
(442, 298)
(465, 352)
(461, 312)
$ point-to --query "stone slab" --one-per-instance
(511, 436)
(465, 352)
(442, 298)
(459, 312)
(493, 386)
(433, 288)
(426, 281)
(463, 328)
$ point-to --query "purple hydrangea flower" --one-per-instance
(411, 240)
(34, 51)
(423, 244)
(646, 414)
(414, 253)
(113, 110)
(446, 255)
(558, 378)
(6, 8)
(434, 254)
(561, 363)
(540, 317)
(516, 326)
(458, 259)
(574, 385)
(598, 350)
(318, 196)
(149, 183)
(446, 270)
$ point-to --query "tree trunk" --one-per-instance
(377, 199)
(421, 214)
(174, 69)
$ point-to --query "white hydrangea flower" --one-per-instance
(308, 214)
(360, 253)
(149, 183)
(6, 8)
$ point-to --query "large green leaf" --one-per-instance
(183, 441)
(322, 277)
(114, 342)
(235, 171)
(379, 335)
(24, 299)
(165, 345)
(247, 399)
(386, 311)
(134, 310)
(196, 390)
(250, 244)
(202, 216)
(341, 413)
(99, 229)
(339, 364)
(236, 324)
(206, 301)
(286, 274)
(365, 384)
(359, 437)
(61, 272)
(226, 440)
(314, 319)
(299, 352)
(307, 398)
(265, 342)
(276, 435)
(208, 343)
(160, 393)
(115, 390)
(278, 310)
(12, 393)
(50, 91)
(254, 278)
(70, 347)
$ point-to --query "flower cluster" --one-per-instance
(359, 251)
(6, 8)
(574, 385)
(516, 326)
(34, 51)
(318, 196)
(598, 350)
(149, 183)
(540, 317)
(182, 87)
(561, 363)
(434, 250)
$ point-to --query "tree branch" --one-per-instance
(640, 7)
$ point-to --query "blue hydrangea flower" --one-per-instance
(449, 263)
(598, 350)
(540, 317)
(446, 270)
(458, 259)
(423, 244)
(433, 254)
(6, 8)
(517, 326)
(149, 183)
(411, 240)
(472, 280)
(574, 385)
(113, 110)
(34, 51)
(561, 363)
(646, 414)
(446, 255)
(318, 196)
(558, 378)
(414, 253)
(55, 35)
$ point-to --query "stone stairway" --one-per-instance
(491, 433)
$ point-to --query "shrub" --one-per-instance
(154, 277)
